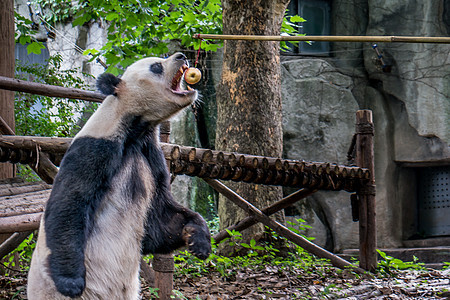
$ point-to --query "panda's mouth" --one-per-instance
(178, 86)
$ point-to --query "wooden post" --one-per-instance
(7, 63)
(163, 265)
(366, 194)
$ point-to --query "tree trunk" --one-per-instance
(7, 69)
(249, 100)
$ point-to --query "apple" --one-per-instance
(192, 76)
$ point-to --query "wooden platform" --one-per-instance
(21, 204)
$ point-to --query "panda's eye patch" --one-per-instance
(156, 68)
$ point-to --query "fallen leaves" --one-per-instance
(279, 282)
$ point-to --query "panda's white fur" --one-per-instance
(111, 201)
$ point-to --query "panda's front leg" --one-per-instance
(196, 235)
(171, 226)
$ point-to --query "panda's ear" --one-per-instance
(107, 83)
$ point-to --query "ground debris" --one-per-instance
(285, 284)
(272, 283)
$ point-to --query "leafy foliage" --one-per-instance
(258, 255)
(25, 250)
(47, 116)
(61, 10)
(138, 28)
(142, 28)
(24, 34)
(389, 265)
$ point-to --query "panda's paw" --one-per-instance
(70, 286)
(198, 240)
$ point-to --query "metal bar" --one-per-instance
(328, 38)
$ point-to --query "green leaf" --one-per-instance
(296, 19)
(112, 16)
(35, 47)
(24, 39)
(189, 17)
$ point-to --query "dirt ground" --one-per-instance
(271, 282)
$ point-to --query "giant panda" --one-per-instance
(111, 199)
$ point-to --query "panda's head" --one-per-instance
(151, 87)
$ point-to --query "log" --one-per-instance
(13, 242)
(44, 168)
(33, 143)
(205, 163)
(198, 155)
(25, 187)
(7, 62)
(366, 194)
(4, 127)
(279, 228)
(23, 204)
(20, 223)
(18, 85)
(275, 207)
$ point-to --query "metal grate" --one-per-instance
(434, 201)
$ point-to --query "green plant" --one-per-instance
(153, 293)
(179, 295)
(389, 265)
(61, 10)
(144, 28)
(25, 251)
(299, 226)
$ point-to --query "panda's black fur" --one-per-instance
(91, 171)
(107, 83)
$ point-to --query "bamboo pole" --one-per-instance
(366, 194)
(18, 85)
(279, 228)
(328, 38)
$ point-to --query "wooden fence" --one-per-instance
(43, 154)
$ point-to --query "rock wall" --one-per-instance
(410, 100)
